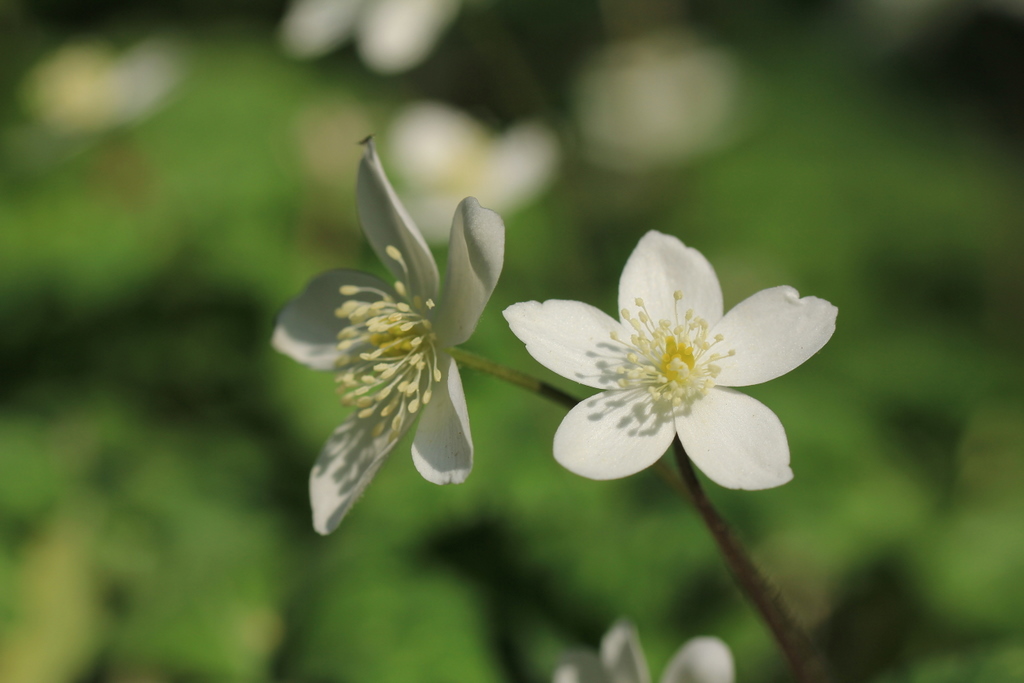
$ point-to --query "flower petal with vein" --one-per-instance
(621, 660)
(667, 366)
(387, 344)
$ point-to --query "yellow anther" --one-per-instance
(392, 251)
(349, 290)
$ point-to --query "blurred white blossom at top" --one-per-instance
(391, 35)
(443, 154)
(88, 87)
(655, 101)
(897, 23)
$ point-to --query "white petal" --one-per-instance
(613, 434)
(311, 28)
(386, 223)
(662, 265)
(622, 655)
(570, 338)
(475, 253)
(701, 660)
(307, 328)
(735, 440)
(144, 77)
(347, 463)
(396, 35)
(443, 448)
(772, 332)
(580, 666)
(522, 163)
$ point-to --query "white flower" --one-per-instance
(700, 660)
(444, 153)
(667, 365)
(656, 100)
(387, 344)
(87, 87)
(391, 35)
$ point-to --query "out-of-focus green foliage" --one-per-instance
(154, 450)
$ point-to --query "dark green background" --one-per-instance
(154, 450)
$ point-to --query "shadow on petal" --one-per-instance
(347, 463)
(614, 434)
(633, 411)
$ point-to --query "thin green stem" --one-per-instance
(804, 662)
(520, 379)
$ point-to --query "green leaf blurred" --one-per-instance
(154, 450)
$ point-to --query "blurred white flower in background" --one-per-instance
(1015, 8)
(655, 101)
(700, 660)
(444, 154)
(391, 35)
(88, 87)
(897, 23)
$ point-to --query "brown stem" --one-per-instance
(804, 661)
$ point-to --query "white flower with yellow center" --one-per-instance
(667, 367)
(705, 659)
(387, 344)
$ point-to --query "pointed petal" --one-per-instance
(347, 463)
(475, 254)
(662, 265)
(701, 660)
(396, 35)
(307, 328)
(443, 448)
(772, 332)
(386, 223)
(312, 28)
(735, 440)
(580, 666)
(622, 655)
(570, 338)
(613, 434)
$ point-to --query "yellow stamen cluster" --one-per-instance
(672, 359)
(388, 358)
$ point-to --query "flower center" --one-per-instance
(389, 355)
(673, 359)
